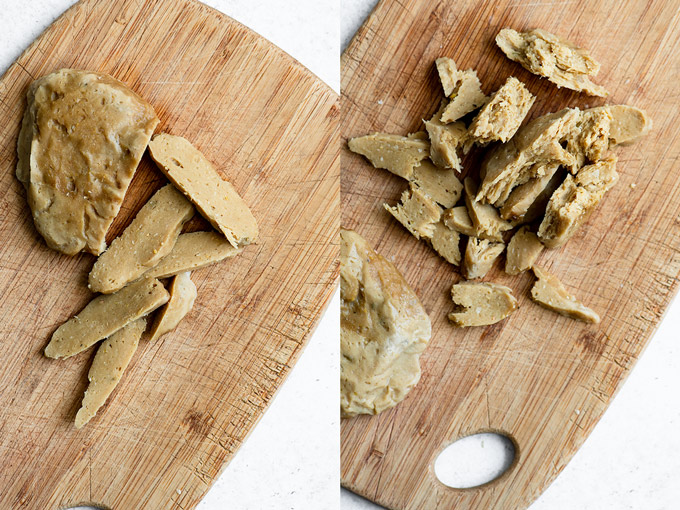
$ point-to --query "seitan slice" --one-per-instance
(462, 88)
(193, 251)
(533, 194)
(500, 118)
(512, 164)
(589, 138)
(441, 185)
(628, 124)
(112, 358)
(417, 212)
(457, 218)
(383, 330)
(574, 201)
(480, 255)
(182, 296)
(105, 315)
(149, 238)
(81, 139)
(395, 153)
(216, 199)
(446, 242)
(485, 217)
(551, 57)
(445, 142)
(481, 304)
(549, 292)
(523, 250)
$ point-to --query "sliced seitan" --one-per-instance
(193, 251)
(105, 315)
(81, 139)
(216, 199)
(149, 238)
(395, 153)
(551, 57)
(480, 255)
(628, 124)
(457, 218)
(588, 140)
(481, 304)
(549, 292)
(523, 250)
(485, 217)
(112, 358)
(446, 242)
(182, 296)
(440, 184)
(417, 212)
(462, 88)
(533, 194)
(574, 201)
(446, 140)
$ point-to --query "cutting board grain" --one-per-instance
(187, 402)
(541, 379)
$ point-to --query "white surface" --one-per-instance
(291, 459)
(632, 458)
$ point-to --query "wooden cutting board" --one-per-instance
(541, 379)
(188, 401)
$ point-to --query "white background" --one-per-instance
(632, 458)
(291, 459)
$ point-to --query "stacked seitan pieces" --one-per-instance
(538, 182)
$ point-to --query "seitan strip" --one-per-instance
(485, 217)
(480, 255)
(395, 153)
(446, 242)
(417, 212)
(216, 199)
(182, 296)
(549, 292)
(445, 142)
(481, 304)
(462, 88)
(523, 250)
(441, 185)
(533, 194)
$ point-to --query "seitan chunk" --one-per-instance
(149, 238)
(446, 242)
(589, 138)
(417, 212)
(457, 218)
(549, 292)
(480, 255)
(574, 201)
(462, 88)
(395, 153)
(512, 164)
(112, 358)
(182, 296)
(105, 315)
(523, 250)
(533, 194)
(500, 118)
(441, 185)
(551, 57)
(193, 251)
(628, 124)
(485, 218)
(481, 304)
(81, 139)
(216, 199)
(445, 142)
(383, 330)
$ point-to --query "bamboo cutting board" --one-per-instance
(539, 378)
(188, 401)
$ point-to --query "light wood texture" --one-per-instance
(542, 379)
(187, 401)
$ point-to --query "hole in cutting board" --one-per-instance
(474, 460)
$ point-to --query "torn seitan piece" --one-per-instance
(481, 304)
(523, 250)
(417, 212)
(112, 358)
(533, 194)
(574, 201)
(182, 296)
(446, 140)
(81, 140)
(485, 217)
(457, 218)
(105, 315)
(551, 57)
(588, 140)
(383, 330)
(440, 184)
(446, 242)
(216, 199)
(193, 251)
(149, 238)
(395, 153)
(513, 163)
(480, 255)
(462, 88)
(628, 124)
(549, 292)
(500, 118)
